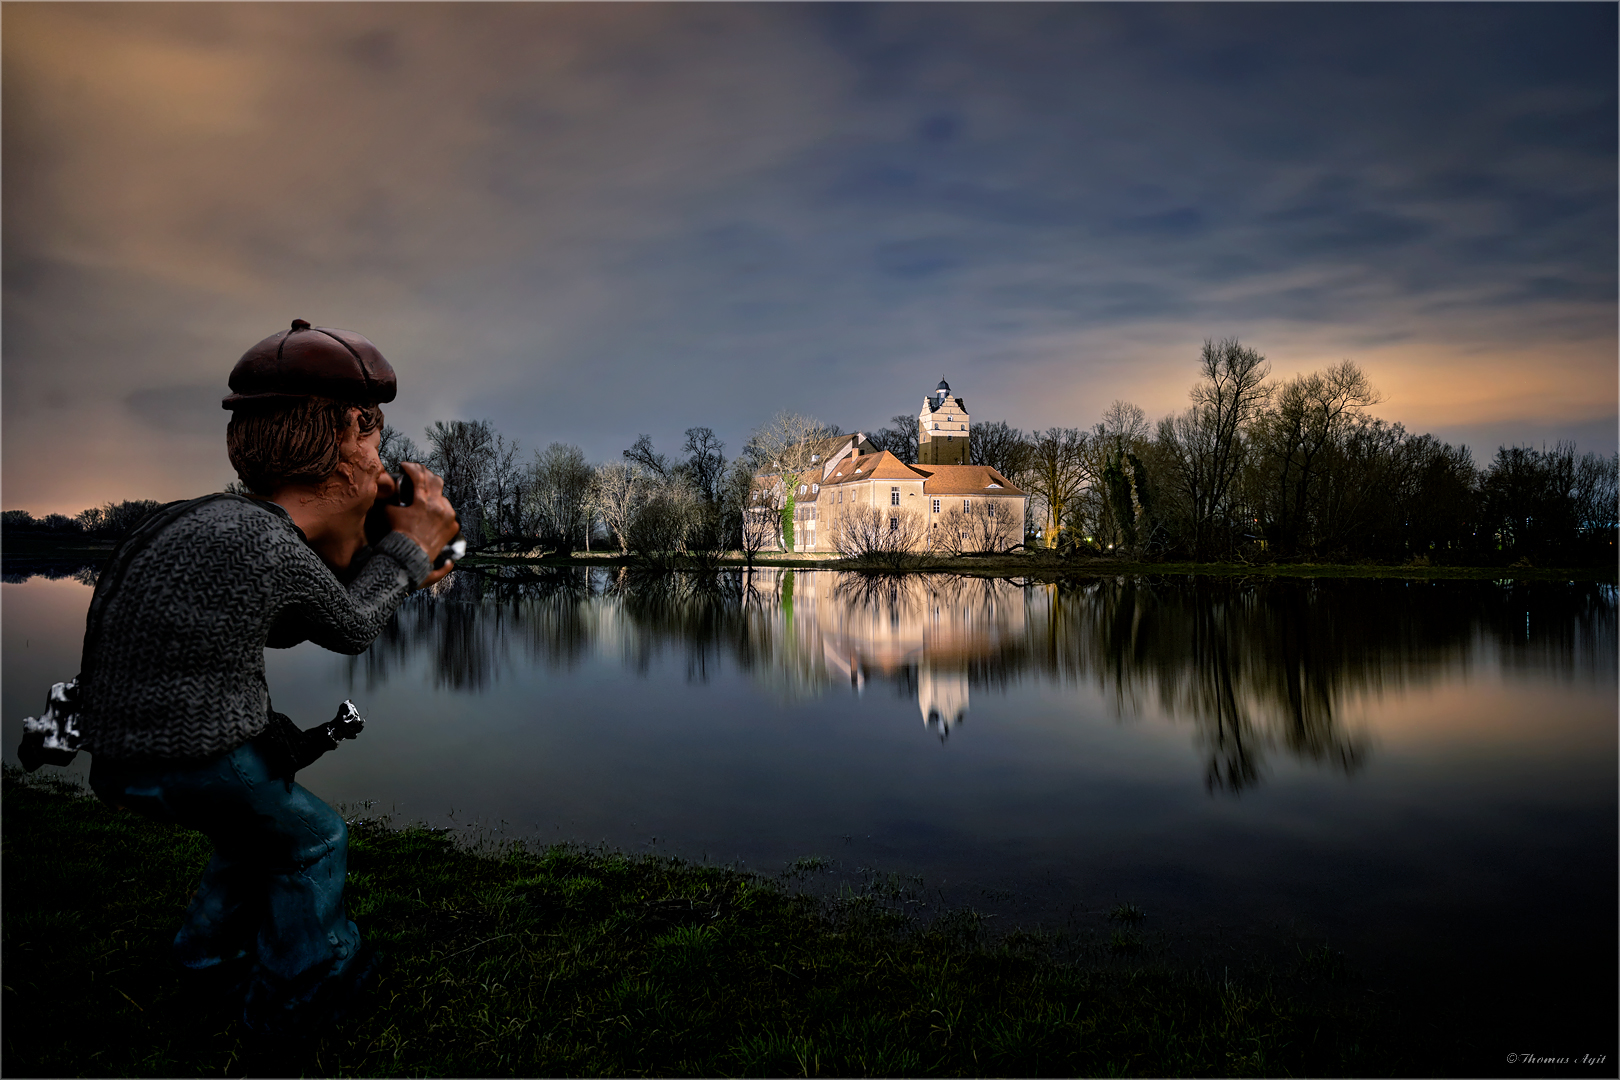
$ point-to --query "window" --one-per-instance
(936, 506)
(894, 496)
(965, 506)
(894, 524)
(815, 489)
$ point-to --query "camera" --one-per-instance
(378, 525)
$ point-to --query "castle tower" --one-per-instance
(942, 429)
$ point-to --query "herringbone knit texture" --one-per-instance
(177, 669)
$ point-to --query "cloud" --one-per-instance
(587, 221)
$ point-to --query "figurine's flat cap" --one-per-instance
(312, 361)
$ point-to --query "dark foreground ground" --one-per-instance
(573, 961)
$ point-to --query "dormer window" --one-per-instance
(814, 488)
(995, 485)
(814, 458)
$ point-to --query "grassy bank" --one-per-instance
(565, 960)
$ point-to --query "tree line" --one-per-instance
(1257, 469)
(1254, 469)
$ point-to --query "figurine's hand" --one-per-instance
(348, 723)
(430, 520)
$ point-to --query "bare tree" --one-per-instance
(746, 518)
(948, 533)
(991, 526)
(463, 452)
(1308, 414)
(880, 535)
(899, 438)
(665, 516)
(617, 491)
(1115, 506)
(116, 520)
(1057, 472)
(1123, 425)
(394, 447)
(1204, 446)
(642, 453)
(999, 446)
(785, 448)
(558, 496)
(705, 468)
(502, 495)
(982, 527)
(705, 461)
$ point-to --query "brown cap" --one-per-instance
(312, 361)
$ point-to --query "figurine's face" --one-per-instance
(356, 484)
(360, 479)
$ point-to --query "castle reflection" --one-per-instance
(1256, 667)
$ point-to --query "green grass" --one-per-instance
(572, 961)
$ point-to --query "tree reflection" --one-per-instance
(469, 627)
(1257, 667)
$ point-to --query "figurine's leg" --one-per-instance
(224, 915)
(281, 855)
(305, 925)
(308, 950)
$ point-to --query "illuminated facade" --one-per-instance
(944, 502)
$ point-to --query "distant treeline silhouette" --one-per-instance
(1255, 470)
(110, 521)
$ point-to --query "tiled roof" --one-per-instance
(965, 480)
(880, 466)
(829, 447)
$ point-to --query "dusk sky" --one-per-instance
(584, 222)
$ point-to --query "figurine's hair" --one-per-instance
(292, 442)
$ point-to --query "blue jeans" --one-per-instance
(273, 891)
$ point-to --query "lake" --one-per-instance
(1420, 774)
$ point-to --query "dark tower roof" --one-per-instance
(943, 385)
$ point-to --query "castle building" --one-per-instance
(942, 428)
(954, 505)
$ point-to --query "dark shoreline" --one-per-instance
(504, 959)
(1043, 568)
(608, 964)
(24, 554)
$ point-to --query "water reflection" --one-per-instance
(1256, 668)
(16, 569)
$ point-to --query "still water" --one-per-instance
(1420, 774)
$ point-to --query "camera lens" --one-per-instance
(404, 489)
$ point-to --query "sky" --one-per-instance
(586, 222)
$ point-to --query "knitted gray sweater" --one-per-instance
(173, 663)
